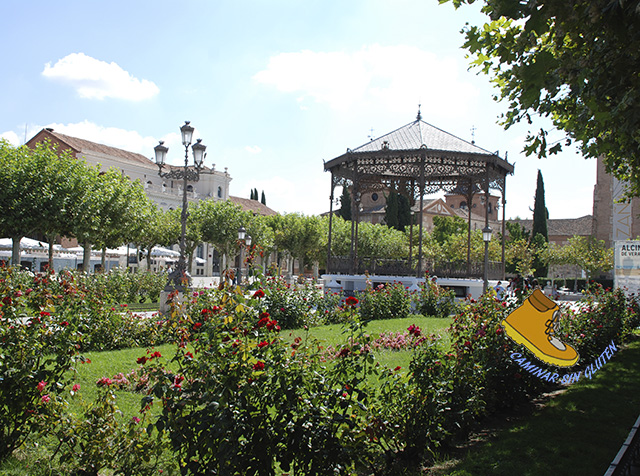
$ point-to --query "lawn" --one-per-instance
(575, 432)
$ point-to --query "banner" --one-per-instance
(627, 266)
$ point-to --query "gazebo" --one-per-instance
(417, 159)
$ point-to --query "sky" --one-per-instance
(273, 88)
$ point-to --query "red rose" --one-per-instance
(259, 365)
(351, 301)
(142, 360)
(258, 294)
(263, 344)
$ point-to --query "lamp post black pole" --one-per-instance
(179, 276)
(486, 236)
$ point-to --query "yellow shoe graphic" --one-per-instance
(532, 325)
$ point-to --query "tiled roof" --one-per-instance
(253, 206)
(82, 145)
(419, 134)
(563, 226)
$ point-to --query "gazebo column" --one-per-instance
(413, 191)
(469, 207)
(331, 196)
(422, 179)
(504, 223)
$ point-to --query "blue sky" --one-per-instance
(273, 87)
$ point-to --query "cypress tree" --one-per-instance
(263, 200)
(540, 213)
(345, 204)
(404, 212)
(539, 232)
(391, 211)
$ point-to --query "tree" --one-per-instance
(158, 229)
(540, 212)
(589, 254)
(576, 63)
(263, 200)
(345, 204)
(391, 210)
(539, 233)
(446, 227)
(220, 221)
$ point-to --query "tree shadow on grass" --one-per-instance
(576, 432)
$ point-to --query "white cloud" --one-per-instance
(253, 149)
(95, 79)
(390, 76)
(10, 136)
(132, 141)
(310, 196)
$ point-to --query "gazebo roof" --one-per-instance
(420, 134)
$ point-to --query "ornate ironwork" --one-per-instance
(190, 174)
(417, 172)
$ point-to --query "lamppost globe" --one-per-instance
(486, 234)
(187, 133)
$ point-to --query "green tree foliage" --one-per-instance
(540, 213)
(220, 221)
(447, 227)
(391, 211)
(263, 199)
(345, 204)
(576, 63)
(588, 253)
(539, 233)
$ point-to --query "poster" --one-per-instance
(627, 266)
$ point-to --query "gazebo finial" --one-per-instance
(419, 116)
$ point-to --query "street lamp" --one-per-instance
(245, 240)
(486, 237)
(179, 275)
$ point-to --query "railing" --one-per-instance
(400, 267)
(626, 461)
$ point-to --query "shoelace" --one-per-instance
(550, 331)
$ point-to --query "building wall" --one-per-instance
(477, 204)
(603, 210)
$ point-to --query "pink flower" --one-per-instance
(41, 385)
(46, 399)
(76, 387)
(104, 382)
(135, 419)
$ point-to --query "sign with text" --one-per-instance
(627, 266)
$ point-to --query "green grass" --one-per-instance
(577, 432)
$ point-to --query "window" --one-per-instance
(374, 196)
(219, 192)
(463, 204)
(189, 188)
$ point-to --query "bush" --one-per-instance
(36, 352)
(434, 300)
(391, 301)
(242, 401)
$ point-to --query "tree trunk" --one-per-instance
(51, 239)
(15, 250)
(149, 257)
(103, 259)
(86, 257)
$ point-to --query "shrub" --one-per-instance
(434, 300)
(36, 351)
(241, 400)
(391, 301)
